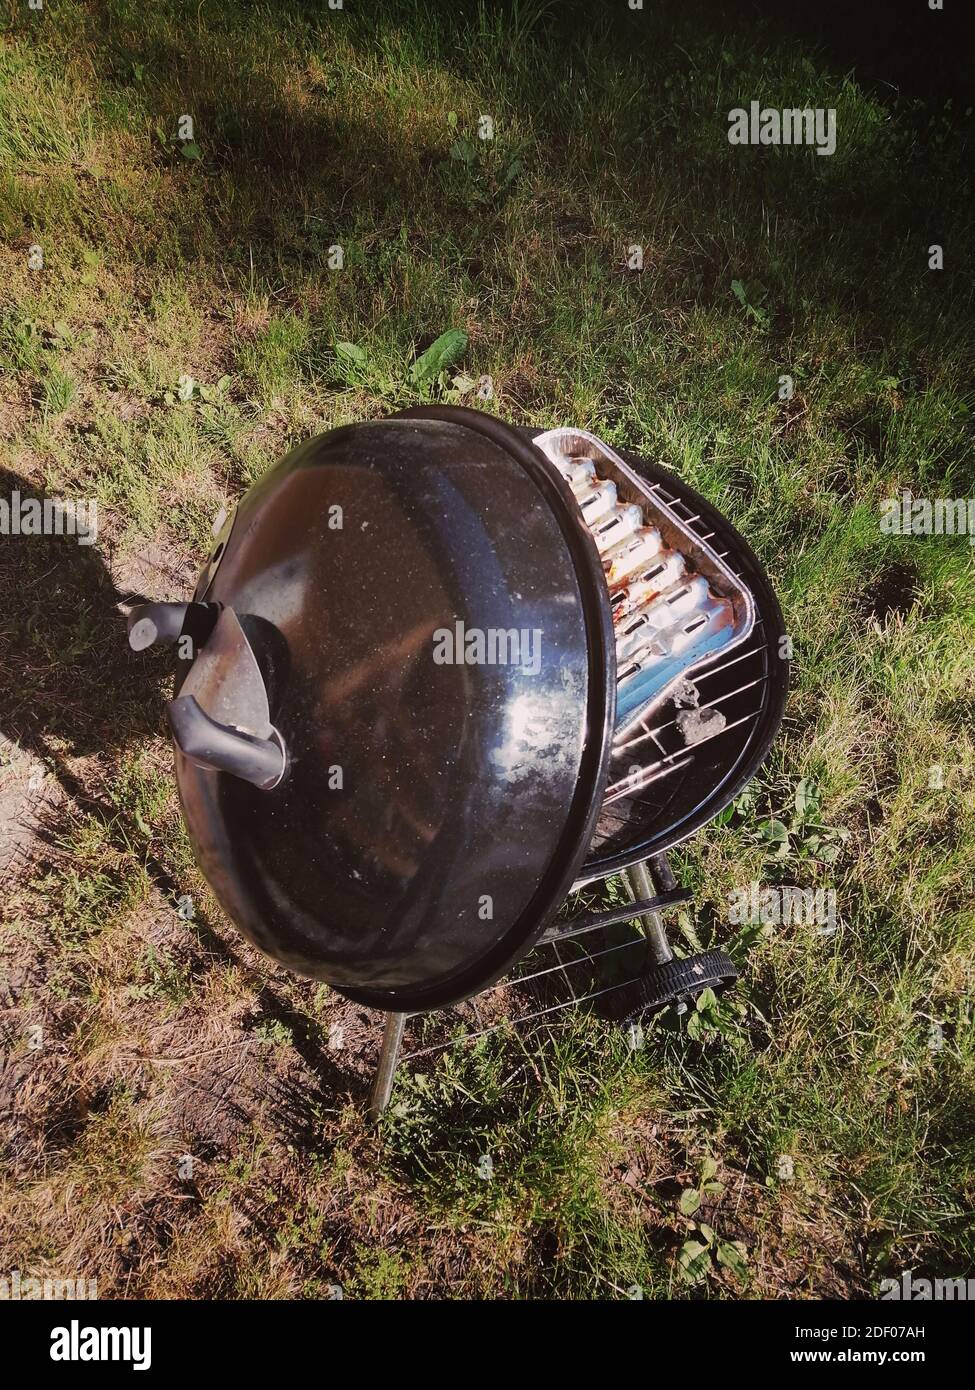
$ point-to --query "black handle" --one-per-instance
(166, 623)
(260, 761)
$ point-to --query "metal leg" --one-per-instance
(661, 873)
(382, 1086)
(642, 888)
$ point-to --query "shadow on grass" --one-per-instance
(68, 685)
(71, 689)
(301, 151)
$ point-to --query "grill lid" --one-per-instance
(405, 808)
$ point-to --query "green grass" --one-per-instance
(182, 335)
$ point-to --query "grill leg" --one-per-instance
(382, 1085)
(661, 873)
(642, 887)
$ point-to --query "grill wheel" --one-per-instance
(674, 982)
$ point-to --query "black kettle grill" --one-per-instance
(438, 672)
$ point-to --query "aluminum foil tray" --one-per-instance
(675, 603)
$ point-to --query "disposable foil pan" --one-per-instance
(706, 628)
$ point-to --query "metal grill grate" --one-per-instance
(650, 764)
(652, 739)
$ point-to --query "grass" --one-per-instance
(182, 334)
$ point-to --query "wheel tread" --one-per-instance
(663, 985)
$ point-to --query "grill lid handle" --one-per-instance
(260, 761)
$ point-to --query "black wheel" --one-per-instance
(677, 980)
